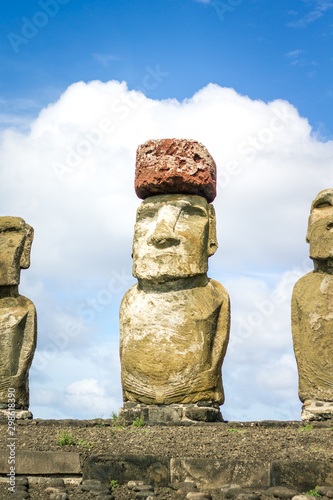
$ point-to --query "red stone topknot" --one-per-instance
(174, 166)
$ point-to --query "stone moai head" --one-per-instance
(15, 245)
(320, 226)
(175, 230)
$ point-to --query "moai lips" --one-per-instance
(174, 166)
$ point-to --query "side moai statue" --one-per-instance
(312, 315)
(18, 327)
(174, 323)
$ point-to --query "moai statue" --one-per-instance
(312, 315)
(174, 323)
(18, 330)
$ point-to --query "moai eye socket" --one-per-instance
(323, 204)
(190, 210)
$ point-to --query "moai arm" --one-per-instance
(27, 330)
(212, 378)
(295, 326)
(29, 340)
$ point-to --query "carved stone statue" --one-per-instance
(312, 315)
(18, 329)
(174, 323)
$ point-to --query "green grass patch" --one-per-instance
(138, 422)
(66, 438)
(306, 428)
(313, 493)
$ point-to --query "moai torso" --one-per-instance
(174, 324)
(18, 329)
(312, 315)
(177, 339)
(312, 311)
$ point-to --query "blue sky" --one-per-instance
(266, 50)
(252, 80)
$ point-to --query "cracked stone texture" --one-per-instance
(174, 166)
(312, 310)
(18, 329)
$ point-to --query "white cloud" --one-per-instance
(71, 177)
(88, 396)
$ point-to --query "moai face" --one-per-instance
(320, 227)
(173, 238)
(15, 244)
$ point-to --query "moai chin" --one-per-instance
(312, 315)
(174, 323)
(18, 329)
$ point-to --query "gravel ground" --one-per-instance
(265, 441)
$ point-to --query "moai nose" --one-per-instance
(163, 235)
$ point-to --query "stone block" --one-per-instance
(41, 462)
(216, 473)
(150, 469)
(302, 476)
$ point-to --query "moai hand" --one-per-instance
(174, 323)
(18, 328)
(312, 315)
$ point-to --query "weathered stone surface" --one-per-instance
(281, 492)
(198, 495)
(232, 491)
(326, 491)
(214, 473)
(202, 414)
(56, 482)
(169, 414)
(19, 414)
(150, 469)
(302, 476)
(42, 462)
(312, 313)
(18, 328)
(132, 484)
(317, 410)
(174, 324)
(172, 344)
(143, 487)
(145, 494)
(174, 236)
(184, 486)
(172, 166)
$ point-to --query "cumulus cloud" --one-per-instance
(71, 177)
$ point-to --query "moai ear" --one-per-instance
(308, 233)
(25, 257)
(212, 239)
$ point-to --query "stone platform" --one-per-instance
(317, 410)
(159, 468)
(19, 414)
(202, 411)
